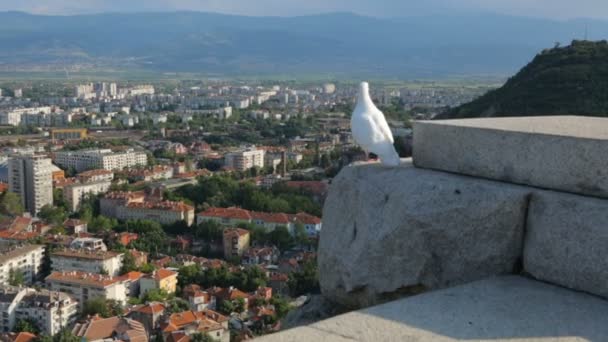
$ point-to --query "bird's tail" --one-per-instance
(391, 158)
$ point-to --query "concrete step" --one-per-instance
(507, 308)
(567, 153)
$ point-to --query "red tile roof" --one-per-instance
(77, 277)
(232, 212)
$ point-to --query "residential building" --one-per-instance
(75, 193)
(16, 116)
(90, 243)
(233, 216)
(131, 280)
(26, 259)
(109, 204)
(97, 175)
(92, 261)
(30, 176)
(165, 212)
(162, 279)
(149, 314)
(192, 322)
(245, 159)
(236, 241)
(50, 310)
(9, 300)
(111, 329)
(135, 206)
(84, 286)
(75, 226)
(84, 160)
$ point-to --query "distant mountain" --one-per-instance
(562, 80)
(337, 43)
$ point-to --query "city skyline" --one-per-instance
(558, 10)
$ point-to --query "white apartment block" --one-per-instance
(15, 116)
(9, 300)
(77, 192)
(52, 311)
(84, 286)
(31, 178)
(84, 160)
(89, 261)
(245, 159)
(26, 259)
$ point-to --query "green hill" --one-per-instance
(563, 80)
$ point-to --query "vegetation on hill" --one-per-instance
(559, 81)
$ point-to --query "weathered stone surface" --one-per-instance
(500, 309)
(566, 153)
(566, 241)
(394, 231)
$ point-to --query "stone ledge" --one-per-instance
(566, 153)
(498, 309)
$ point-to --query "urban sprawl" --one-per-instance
(173, 211)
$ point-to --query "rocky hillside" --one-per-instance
(562, 80)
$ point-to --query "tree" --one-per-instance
(281, 306)
(102, 307)
(27, 325)
(128, 263)
(15, 277)
(177, 305)
(304, 281)
(155, 295)
(239, 305)
(201, 337)
(226, 307)
(65, 335)
(52, 214)
(10, 204)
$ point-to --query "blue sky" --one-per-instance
(555, 9)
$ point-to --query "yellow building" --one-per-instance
(162, 279)
(236, 242)
(69, 134)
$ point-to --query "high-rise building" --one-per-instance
(245, 159)
(18, 93)
(84, 160)
(31, 177)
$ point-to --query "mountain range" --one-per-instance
(340, 44)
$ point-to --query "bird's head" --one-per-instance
(363, 89)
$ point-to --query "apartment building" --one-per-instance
(245, 159)
(165, 212)
(84, 286)
(26, 259)
(50, 310)
(233, 216)
(236, 242)
(15, 116)
(75, 193)
(9, 299)
(135, 206)
(97, 175)
(84, 260)
(162, 279)
(31, 177)
(69, 134)
(84, 160)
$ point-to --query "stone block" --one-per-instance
(567, 153)
(566, 241)
(389, 232)
(500, 309)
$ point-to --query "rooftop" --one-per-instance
(83, 278)
(85, 254)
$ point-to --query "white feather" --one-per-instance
(370, 129)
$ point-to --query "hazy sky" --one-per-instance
(557, 9)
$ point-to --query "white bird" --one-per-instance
(370, 129)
